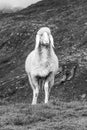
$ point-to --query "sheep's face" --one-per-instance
(44, 37)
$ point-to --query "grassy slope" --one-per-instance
(68, 22)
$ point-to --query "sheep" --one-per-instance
(42, 64)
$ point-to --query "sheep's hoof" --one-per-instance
(46, 102)
(33, 103)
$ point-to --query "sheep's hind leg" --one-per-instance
(35, 89)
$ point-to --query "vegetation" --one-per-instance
(67, 107)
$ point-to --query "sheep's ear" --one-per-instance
(37, 41)
(51, 40)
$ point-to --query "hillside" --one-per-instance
(68, 21)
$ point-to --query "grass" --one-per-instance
(72, 115)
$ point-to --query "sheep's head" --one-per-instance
(44, 37)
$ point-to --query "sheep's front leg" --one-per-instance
(46, 89)
(35, 95)
(35, 88)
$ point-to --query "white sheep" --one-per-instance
(42, 64)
